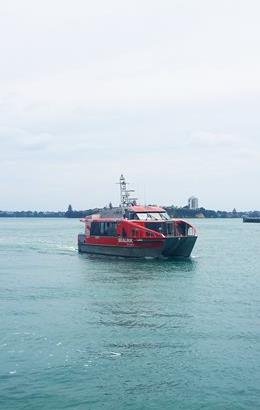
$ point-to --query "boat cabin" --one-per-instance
(144, 213)
(138, 222)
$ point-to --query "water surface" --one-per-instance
(80, 332)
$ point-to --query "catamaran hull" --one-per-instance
(179, 247)
(174, 247)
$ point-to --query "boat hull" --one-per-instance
(173, 247)
(251, 219)
(179, 247)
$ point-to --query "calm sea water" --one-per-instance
(95, 333)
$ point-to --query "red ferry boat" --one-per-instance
(136, 231)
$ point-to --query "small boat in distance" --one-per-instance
(136, 231)
(252, 219)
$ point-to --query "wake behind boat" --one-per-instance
(136, 231)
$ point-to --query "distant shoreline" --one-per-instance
(174, 212)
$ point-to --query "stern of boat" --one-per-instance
(179, 247)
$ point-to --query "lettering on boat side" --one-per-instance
(125, 240)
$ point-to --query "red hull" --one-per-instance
(174, 247)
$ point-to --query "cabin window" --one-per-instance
(181, 229)
(156, 216)
(142, 217)
(163, 227)
(157, 226)
(169, 229)
(103, 229)
(190, 230)
(130, 215)
(95, 229)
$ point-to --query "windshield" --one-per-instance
(154, 216)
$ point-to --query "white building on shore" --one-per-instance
(193, 202)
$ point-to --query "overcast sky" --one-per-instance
(166, 92)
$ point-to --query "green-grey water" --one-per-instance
(94, 333)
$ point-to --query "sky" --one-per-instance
(165, 92)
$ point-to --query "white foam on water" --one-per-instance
(195, 257)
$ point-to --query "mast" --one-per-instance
(125, 199)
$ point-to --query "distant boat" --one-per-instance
(252, 219)
(136, 231)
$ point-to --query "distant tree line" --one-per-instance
(173, 211)
(186, 212)
(70, 213)
(31, 214)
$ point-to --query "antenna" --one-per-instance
(125, 199)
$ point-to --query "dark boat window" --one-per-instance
(95, 229)
(103, 229)
(163, 227)
(181, 229)
(130, 215)
(157, 226)
(111, 229)
(170, 228)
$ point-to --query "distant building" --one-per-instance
(193, 202)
